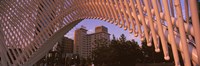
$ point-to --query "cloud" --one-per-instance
(90, 31)
(70, 35)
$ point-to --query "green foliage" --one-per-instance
(122, 38)
(122, 52)
(113, 37)
(150, 56)
(118, 53)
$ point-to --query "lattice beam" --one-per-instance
(28, 26)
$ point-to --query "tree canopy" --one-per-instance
(122, 52)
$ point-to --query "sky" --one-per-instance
(90, 25)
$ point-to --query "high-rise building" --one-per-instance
(67, 45)
(80, 43)
(85, 43)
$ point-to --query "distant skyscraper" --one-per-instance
(67, 45)
(80, 43)
(84, 43)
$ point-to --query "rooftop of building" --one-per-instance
(84, 28)
(101, 26)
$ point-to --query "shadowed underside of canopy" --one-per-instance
(30, 28)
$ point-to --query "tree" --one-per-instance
(120, 52)
(76, 59)
(114, 38)
(101, 52)
(122, 38)
(150, 56)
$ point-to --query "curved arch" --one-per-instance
(29, 26)
(40, 53)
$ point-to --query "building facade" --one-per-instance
(85, 43)
(67, 45)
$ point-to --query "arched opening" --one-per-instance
(52, 19)
(90, 24)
